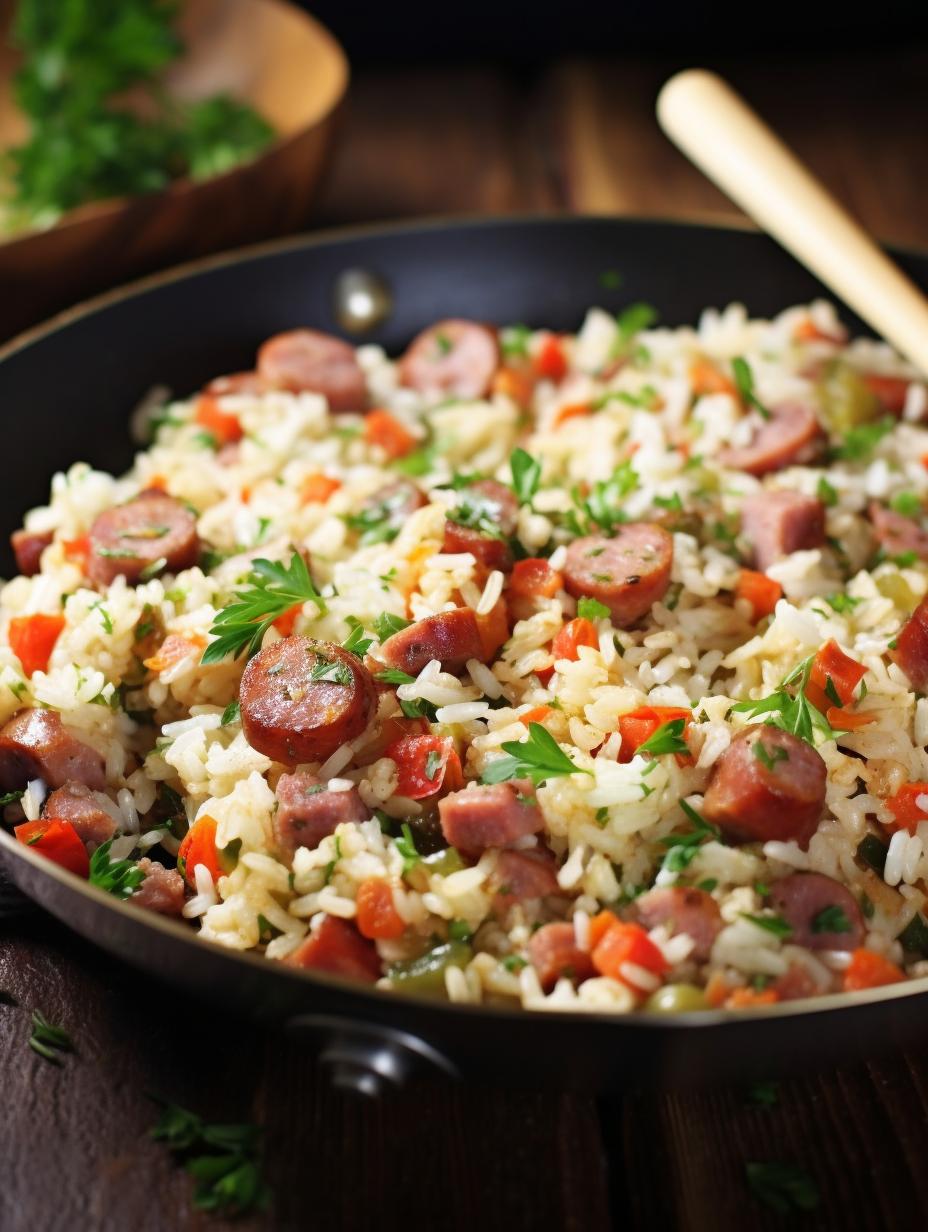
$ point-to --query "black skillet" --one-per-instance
(65, 392)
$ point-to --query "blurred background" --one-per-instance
(485, 110)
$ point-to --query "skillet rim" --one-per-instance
(716, 1020)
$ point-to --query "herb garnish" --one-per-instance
(770, 923)
(630, 322)
(356, 642)
(831, 920)
(794, 712)
(909, 504)
(682, 848)
(231, 714)
(333, 670)
(117, 877)
(526, 475)
(860, 442)
(387, 623)
(765, 757)
(406, 846)
(826, 493)
(744, 379)
(592, 609)
(47, 1039)
(273, 589)
(539, 758)
(668, 738)
(602, 506)
(782, 1187)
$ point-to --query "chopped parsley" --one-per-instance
(630, 322)
(526, 475)
(539, 757)
(47, 1039)
(514, 963)
(433, 762)
(11, 797)
(603, 505)
(272, 589)
(825, 492)
(770, 923)
(333, 670)
(841, 602)
(909, 504)
(356, 642)
(231, 714)
(514, 340)
(682, 848)
(406, 846)
(668, 738)
(767, 758)
(744, 379)
(387, 623)
(592, 609)
(459, 930)
(671, 503)
(394, 675)
(152, 569)
(792, 710)
(860, 442)
(116, 877)
(831, 920)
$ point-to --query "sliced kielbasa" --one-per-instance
(796, 983)
(135, 538)
(683, 909)
(307, 811)
(306, 360)
(453, 359)
(822, 913)
(302, 699)
(481, 522)
(555, 956)
(35, 744)
(28, 547)
(450, 637)
(778, 523)
(523, 874)
(337, 947)
(162, 891)
(76, 803)
(489, 815)
(911, 649)
(768, 784)
(629, 571)
(896, 534)
(789, 437)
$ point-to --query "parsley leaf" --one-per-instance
(117, 877)
(825, 492)
(770, 923)
(526, 475)
(592, 609)
(273, 589)
(793, 711)
(631, 321)
(46, 1038)
(394, 675)
(682, 848)
(842, 602)
(333, 670)
(909, 504)
(538, 758)
(406, 846)
(764, 755)
(860, 442)
(744, 379)
(386, 624)
(513, 341)
(831, 920)
(668, 738)
(231, 714)
(602, 506)
(356, 643)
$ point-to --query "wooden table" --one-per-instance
(76, 1146)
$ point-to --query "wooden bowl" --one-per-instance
(264, 52)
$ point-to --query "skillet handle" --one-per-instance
(717, 130)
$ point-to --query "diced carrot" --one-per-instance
(33, 638)
(717, 989)
(573, 410)
(576, 633)
(223, 426)
(534, 578)
(493, 629)
(515, 383)
(77, 550)
(844, 673)
(385, 430)
(425, 765)
(58, 841)
(317, 488)
(640, 725)
(537, 714)
(173, 649)
(245, 494)
(285, 623)
(747, 998)
(598, 927)
(377, 916)
(199, 847)
(706, 378)
(924, 461)
(762, 592)
(904, 805)
(892, 391)
(849, 720)
(623, 944)
(551, 362)
(159, 482)
(807, 331)
(869, 970)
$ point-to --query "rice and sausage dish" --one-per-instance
(564, 671)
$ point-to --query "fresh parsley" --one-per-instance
(908, 504)
(592, 609)
(539, 757)
(48, 1040)
(387, 623)
(603, 504)
(272, 589)
(792, 710)
(406, 846)
(841, 602)
(826, 493)
(766, 757)
(770, 923)
(744, 380)
(433, 762)
(668, 738)
(514, 340)
(231, 714)
(630, 322)
(682, 848)
(860, 442)
(333, 670)
(394, 675)
(526, 475)
(10, 797)
(117, 877)
(831, 920)
(356, 642)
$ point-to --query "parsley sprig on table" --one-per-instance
(274, 588)
(538, 758)
(117, 877)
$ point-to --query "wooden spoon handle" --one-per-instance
(717, 130)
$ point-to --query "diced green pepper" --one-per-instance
(676, 999)
(845, 399)
(914, 936)
(426, 974)
(444, 863)
(894, 586)
(873, 852)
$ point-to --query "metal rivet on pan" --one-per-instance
(362, 300)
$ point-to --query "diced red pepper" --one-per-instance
(377, 916)
(551, 362)
(748, 998)
(199, 847)
(284, 624)
(892, 391)
(623, 944)
(317, 488)
(426, 765)
(762, 592)
(639, 725)
(493, 629)
(516, 383)
(383, 429)
(33, 638)
(573, 410)
(219, 423)
(576, 633)
(905, 808)
(845, 674)
(77, 550)
(58, 841)
(869, 970)
(534, 578)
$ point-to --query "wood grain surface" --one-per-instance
(75, 1138)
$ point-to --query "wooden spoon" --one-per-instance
(717, 130)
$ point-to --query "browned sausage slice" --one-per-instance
(776, 792)
(308, 360)
(77, 804)
(823, 914)
(302, 699)
(490, 815)
(453, 358)
(911, 649)
(683, 909)
(307, 811)
(162, 891)
(28, 547)
(484, 517)
(778, 523)
(897, 534)
(450, 637)
(555, 955)
(35, 744)
(523, 874)
(137, 536)
(236, 383)
(337, 947)
(787, 438)
(629, 571)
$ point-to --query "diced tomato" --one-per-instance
(845, 674)
(551, 362)
(640, 725)
(747, 998)
(706, 378)
(576, 633)
(199, 847)
(219, 423)
(58, 841)
(623, 944)
(33, 638)
(493, 629)
(598, 927)
(516, 383)
(892, 391)
(285, 623)
(377, 916)
(849, 720)
(904, 805)
(173, 649)
(534, 578)
(537, 714)
(317, 488)
(869, 970)
(573, 410)
(426, 765)
(77, 550)
(762, 592)
(385, 430)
